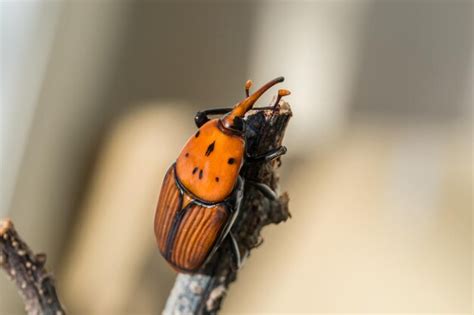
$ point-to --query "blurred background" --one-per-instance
(98, 97)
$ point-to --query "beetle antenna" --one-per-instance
(248, 85)
(241, 108)
(281, 93)
(247, 104)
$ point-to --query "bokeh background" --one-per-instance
(98, 97)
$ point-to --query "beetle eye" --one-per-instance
(238, 124)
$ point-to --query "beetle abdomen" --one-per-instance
(186, 230)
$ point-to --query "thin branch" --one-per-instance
(27, 271)
(204, 293)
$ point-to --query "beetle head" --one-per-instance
(240, 109)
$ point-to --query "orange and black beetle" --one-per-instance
(201, 192)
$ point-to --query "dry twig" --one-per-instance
(27, 271)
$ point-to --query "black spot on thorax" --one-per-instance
(200, 174)
(197, 134)
(210, 148)
(195, 170)
(231, 161)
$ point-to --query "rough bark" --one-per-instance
(203, 293)
(27, 271)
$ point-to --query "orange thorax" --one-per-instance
(210, 162)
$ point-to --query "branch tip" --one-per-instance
(5, 225)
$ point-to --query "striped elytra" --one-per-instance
(166, 209)
(186, 231)
(198, 231)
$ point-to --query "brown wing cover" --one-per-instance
(197, 234)
(168, 205)
(186, 236)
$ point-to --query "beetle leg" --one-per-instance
(264, 189)
(267, 156)
(235, 250)
(201, 117)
